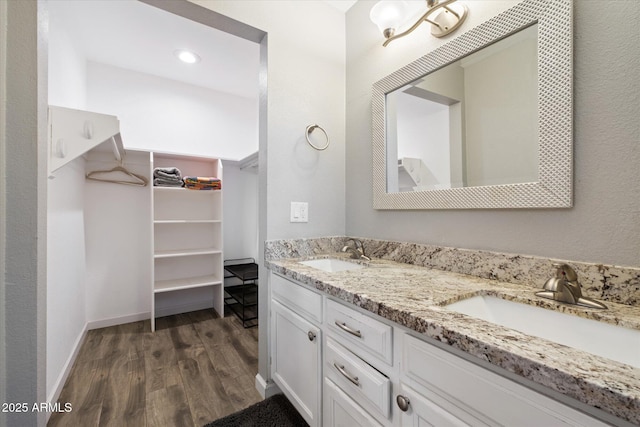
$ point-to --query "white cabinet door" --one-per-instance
(295, 360)
(341, 411)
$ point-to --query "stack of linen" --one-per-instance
(167, 177)
(202, 183)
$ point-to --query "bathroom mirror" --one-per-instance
(485, 121)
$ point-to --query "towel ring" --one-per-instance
(310, 129)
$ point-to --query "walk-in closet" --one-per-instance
(129, 242)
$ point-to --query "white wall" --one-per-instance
(67, 67)
(240, 212)
(604, 224)
(159, 114)
(66, 272)
(66, 269)
(117, 222)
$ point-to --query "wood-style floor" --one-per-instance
(195, 368)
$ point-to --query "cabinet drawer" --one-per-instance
(369, 334)
(305, 302)
(364, 384)
(487, 395)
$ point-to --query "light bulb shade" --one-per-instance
(388, 14)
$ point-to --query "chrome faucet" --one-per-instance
(564, 287)
(357, 250)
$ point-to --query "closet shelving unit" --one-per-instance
(187, 233)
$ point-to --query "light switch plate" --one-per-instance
(299, 212)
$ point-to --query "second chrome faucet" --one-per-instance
(564, 287)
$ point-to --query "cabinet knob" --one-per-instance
(311, 335)
(403, 402)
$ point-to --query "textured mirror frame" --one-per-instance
(554, 188)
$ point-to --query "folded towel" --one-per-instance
(201, 180)
(202, 183)
(164, 182)
(170, 172)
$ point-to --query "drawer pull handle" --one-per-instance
(311, 335)
(344, 327)
(345, 374)
(403, 402)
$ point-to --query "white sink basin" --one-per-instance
(599, 338)
(332, 265)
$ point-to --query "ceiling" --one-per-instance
(342, 5)
(133, 35)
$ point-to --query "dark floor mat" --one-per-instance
(271, 412)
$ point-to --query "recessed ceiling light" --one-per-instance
(187, 56)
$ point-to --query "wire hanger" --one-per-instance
(129, 179)
(136, 179)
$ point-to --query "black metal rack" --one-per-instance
(242, 298)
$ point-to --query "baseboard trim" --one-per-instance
(161, 312)
(182, 308)
(113, 321)
(266, 389)
(62, 378)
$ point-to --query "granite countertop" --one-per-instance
(414, 296)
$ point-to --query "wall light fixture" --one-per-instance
(445, 16)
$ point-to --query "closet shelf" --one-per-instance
(186, 252)
(185, 283)
(74, 132)
(184, 189)
(187, 221)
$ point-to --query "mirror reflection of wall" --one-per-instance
(471, 123)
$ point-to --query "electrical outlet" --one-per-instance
(299, 212)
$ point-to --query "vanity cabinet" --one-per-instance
(370, 371)
(296, 349)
